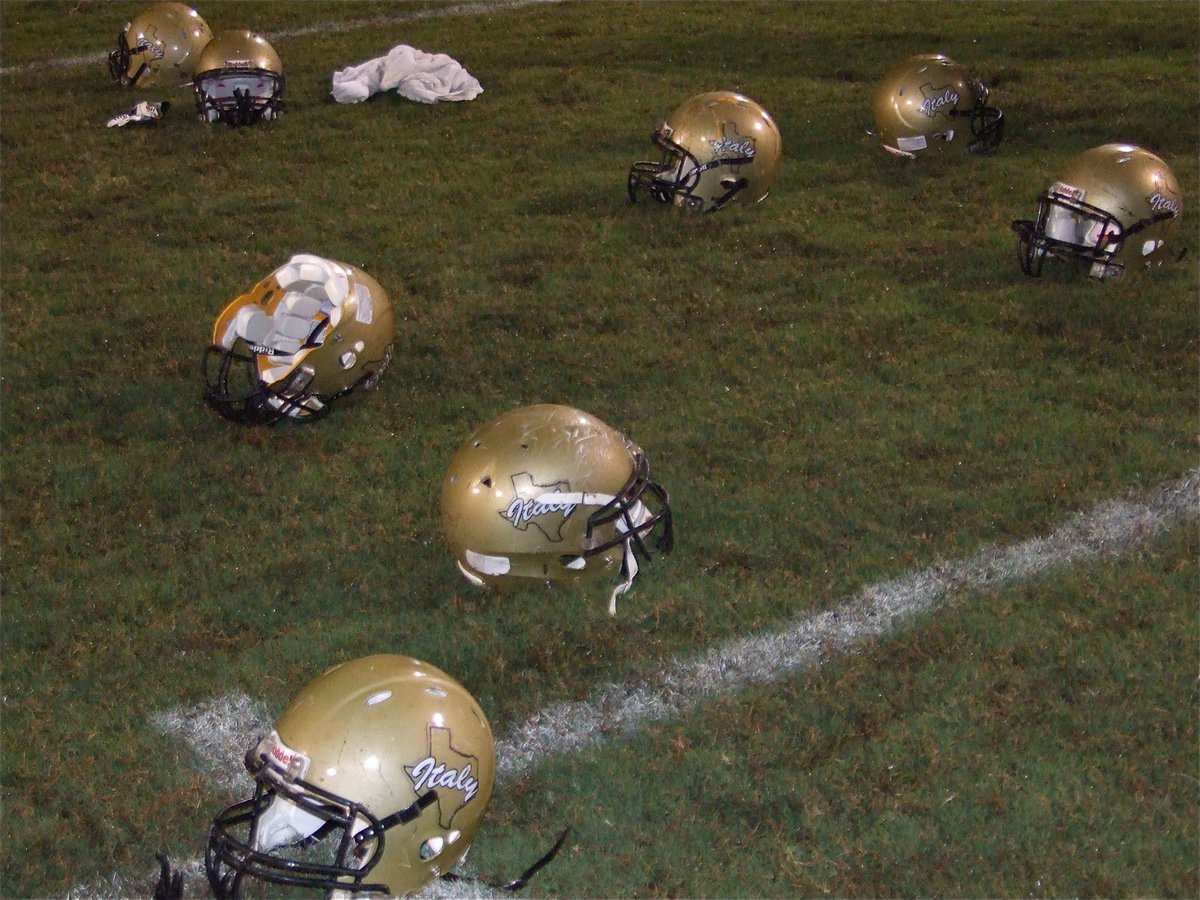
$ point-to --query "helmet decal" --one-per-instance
(544, 513)
(1160, 203)
(150, 43)
(732, 145)
(451, 773)
(936, 99)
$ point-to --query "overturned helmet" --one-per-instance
(311, 332)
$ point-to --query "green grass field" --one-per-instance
(847, 383)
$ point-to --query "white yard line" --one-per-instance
(220, 730)
(1110, 529)
(435, 12)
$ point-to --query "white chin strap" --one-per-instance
(630, 567)
(638, 514)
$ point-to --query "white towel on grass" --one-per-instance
(415, 74)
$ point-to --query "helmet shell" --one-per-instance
(1114, 210)
(314, 330)
(159, 46)
(930, 103)
(239, 63)
(375, 730)
(719, 148)
(499, 510)
(232, 51)
(1134, 186)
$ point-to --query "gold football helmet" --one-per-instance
(1114, 209)
(158, 47)
(309, 333)
(374, 780)
(928, 102)
(717, 148)
(551, 493)
(239, 80)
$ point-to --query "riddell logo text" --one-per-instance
(283, 755)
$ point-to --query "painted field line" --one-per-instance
(1110, 529)
(219, 731)
(436, 12)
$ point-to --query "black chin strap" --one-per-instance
(527, 875)
(170, 882)
(1148, 221)
(523, 880)
(402, 817)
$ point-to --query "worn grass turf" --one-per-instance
(847, 382)
(1039, 741)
